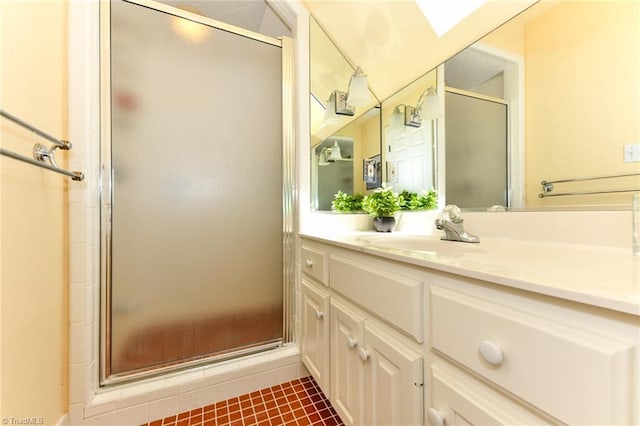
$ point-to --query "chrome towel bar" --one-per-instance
(547, 186)
(587, 193)
(41, 153)
(77, 176)
(62, 144)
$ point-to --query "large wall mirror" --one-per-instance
(555, 93)
(410, 134)
(552, 95)
(340, 143)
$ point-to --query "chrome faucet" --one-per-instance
(451, 223)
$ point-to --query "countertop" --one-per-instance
(605, 277)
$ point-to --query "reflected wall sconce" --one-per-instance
(358, 94)
(335, 152)
(323, 157)
(427, 108)
(330, 116)
(341, 106)
(396, 122)
(329, 155)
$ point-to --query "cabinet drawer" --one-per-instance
(314, 263)
(574, 375)
(393, 297)
(461, 400)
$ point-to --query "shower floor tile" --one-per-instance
(298, 402)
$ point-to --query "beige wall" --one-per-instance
(583, 98)
(33, 254)
(369, 144)
(582, 94)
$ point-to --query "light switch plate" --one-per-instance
(632, 152)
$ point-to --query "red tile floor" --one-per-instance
(299, 402)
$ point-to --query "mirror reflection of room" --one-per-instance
(535, 76)
(519, 109)
(331, 72)
(338, 162)
(343, 136)
(410, 135)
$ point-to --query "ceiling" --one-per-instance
(471, 68)
(392, 40)
(254, 15)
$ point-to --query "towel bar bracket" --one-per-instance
(546, 186)
(42, 153)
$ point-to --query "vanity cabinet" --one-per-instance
(376, 380)
(357, 340)
(459, 399)
(572, 362)
(393, 380)
(314, 339)
(347, 372)
(491, 353)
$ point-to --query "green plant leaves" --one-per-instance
(347, 203)
(383, 202)
(426, 200)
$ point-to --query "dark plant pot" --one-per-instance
(384, 224)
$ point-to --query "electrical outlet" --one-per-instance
(632, 152)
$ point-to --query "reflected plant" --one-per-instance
(425, 200)
(347, 203)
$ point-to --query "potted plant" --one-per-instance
(382, 205)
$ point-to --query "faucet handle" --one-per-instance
(452, 213)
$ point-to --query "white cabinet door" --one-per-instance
(375, 379)
(314, 342)
(393, 380)
(347, 396)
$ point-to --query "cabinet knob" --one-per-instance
(351, 342)
(491, 353)
(319, 314)
(364, 354)
(436, 418)
(309, 263)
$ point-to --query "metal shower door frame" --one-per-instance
(105, 189)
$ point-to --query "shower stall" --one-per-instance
(196, 191)
(476, 151)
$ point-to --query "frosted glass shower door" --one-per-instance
(476, 157)
(196, 208)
